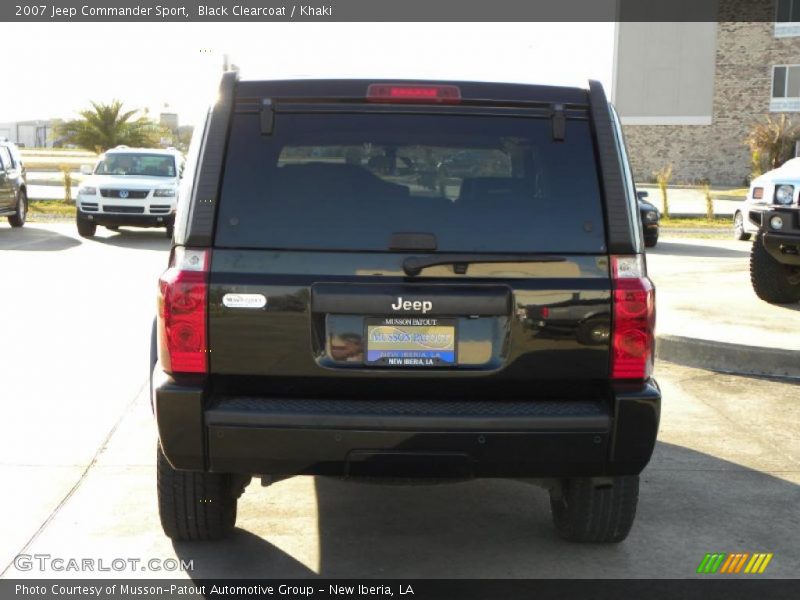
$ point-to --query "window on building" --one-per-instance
(785, 88)
(786, 81)
(788, 11)
(787, 18)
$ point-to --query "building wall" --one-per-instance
(744, 57)
(664, 72)
(169, 120)
(30, 134)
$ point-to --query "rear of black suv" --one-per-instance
(406, 280)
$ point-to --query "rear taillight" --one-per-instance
(633, 326)
(182, 302)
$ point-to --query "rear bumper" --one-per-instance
(651, 232)
(411, 438)
(134, 220)
(650, 229)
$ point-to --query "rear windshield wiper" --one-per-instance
(413, 265)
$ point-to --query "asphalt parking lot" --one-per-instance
(704, 291)
(77, 452)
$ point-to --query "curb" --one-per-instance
(730, 358)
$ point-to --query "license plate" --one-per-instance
(411, 342)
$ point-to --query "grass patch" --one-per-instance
(737, 193)
(48, 210)
(697, 234)
(697, 223)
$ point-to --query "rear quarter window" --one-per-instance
(5, 158)
(349, 181)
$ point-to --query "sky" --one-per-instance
(150, 65)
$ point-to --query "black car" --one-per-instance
(13, 188)
(648, 215)
(324, 314)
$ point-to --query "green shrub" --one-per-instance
(663, 177)
(709, 202)
(755, 164)
(771, 142)
(67, 171)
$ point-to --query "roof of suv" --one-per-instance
(127, 150)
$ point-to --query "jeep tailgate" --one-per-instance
(513, 322)
(310, 286)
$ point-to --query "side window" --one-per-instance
(189, 167)
(630, 187)
(5, 159)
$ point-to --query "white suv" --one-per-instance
(130, 186)
(779, 187)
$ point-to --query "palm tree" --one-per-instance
(772, 141)
(107, 125)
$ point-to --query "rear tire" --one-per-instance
(772, 281)
(86, 228)
(584, 512)
(18, 220)
(112, 227)
(738, 228)
(196, 505)
(590, 332)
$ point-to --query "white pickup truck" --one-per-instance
(777, 187)
(773, 214)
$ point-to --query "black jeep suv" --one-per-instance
(338, 304)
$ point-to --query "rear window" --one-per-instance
(350, 181)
